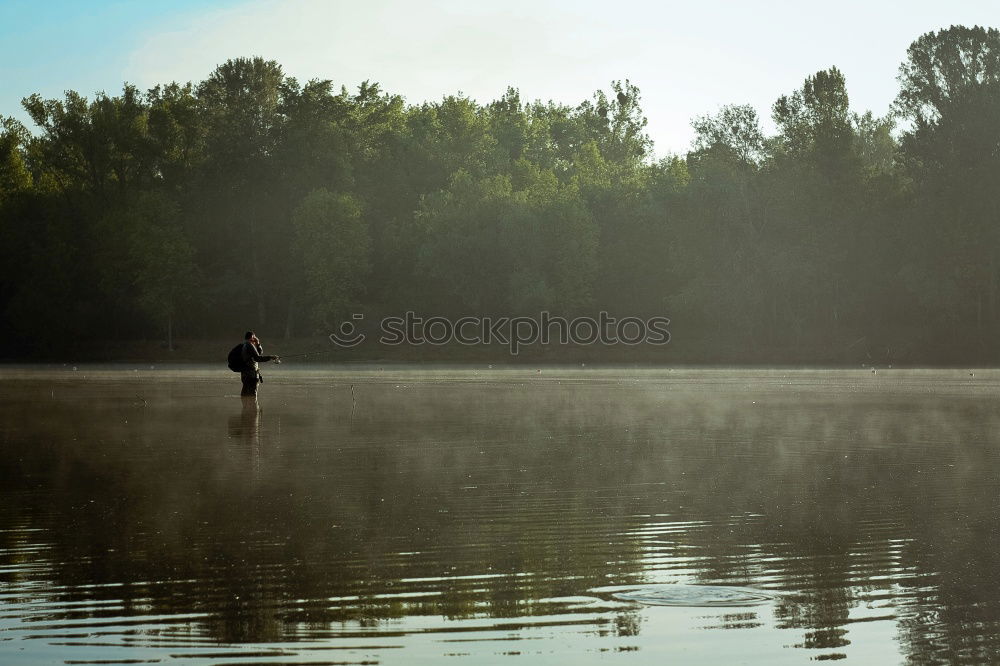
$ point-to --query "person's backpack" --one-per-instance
(236, 363)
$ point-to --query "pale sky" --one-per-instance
(688, 58)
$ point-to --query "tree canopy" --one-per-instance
(253, 199)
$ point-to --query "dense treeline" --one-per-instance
(251, 199)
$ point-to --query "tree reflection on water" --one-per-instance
(506, 500)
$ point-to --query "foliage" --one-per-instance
(332, 245)
(251, 200)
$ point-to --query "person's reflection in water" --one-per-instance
(246, 426)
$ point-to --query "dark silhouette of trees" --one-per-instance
(252, 197)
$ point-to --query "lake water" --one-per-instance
(478, 516)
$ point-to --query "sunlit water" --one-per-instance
(477, 516)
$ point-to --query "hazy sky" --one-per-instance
(688, 58)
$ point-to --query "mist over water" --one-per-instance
(470, 516)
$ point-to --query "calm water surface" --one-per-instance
(476, 516)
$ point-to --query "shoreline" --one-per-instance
(687, 353)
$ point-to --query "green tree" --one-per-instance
(240, 104)
(814, 122)
(101, 148)
(735, 131)
(950, 98)
(948, 69)
(14, 174)
(333, 247)
(507, 244)
(164, 272)
(177, 133)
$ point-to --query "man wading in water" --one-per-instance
(253, 354)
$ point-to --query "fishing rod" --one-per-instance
(312, 353)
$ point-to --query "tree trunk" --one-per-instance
(257, 285)
(836, 303)
(288, 318)
(979, 314)
(991, 301)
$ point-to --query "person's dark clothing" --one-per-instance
(250, 380)
(253, 355)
